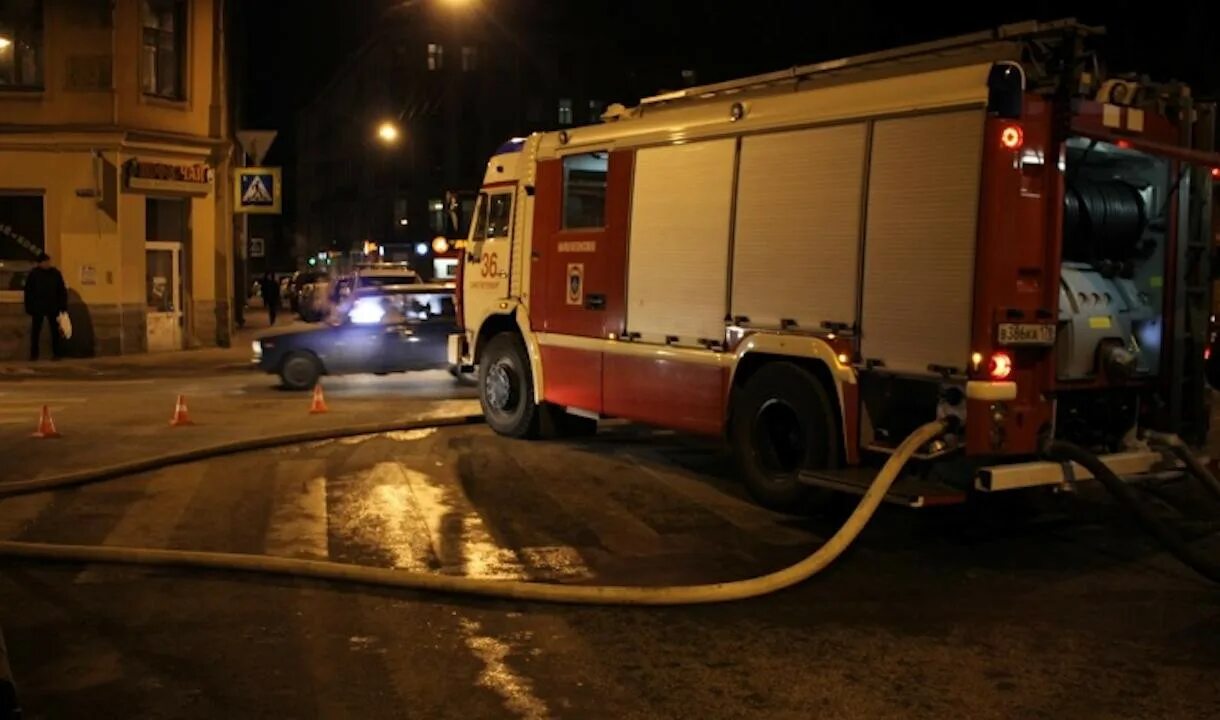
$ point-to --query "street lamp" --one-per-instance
(387, 132)
(4, 43)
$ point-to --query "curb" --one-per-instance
(110, 472)
(96, 372)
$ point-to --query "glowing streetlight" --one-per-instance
(4, 43)
(387, 132)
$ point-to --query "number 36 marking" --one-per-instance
(491, 265)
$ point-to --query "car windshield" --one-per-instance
(394, 308)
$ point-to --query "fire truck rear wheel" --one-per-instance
(783, 423)
(506, 388)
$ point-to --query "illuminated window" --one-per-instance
(436, 56)
(595, 110)
(565, 111)
(164, 48)
(436, 216)
(470, 58)
(21, 44)
(584, 190)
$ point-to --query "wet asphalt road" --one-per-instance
(1015, 609)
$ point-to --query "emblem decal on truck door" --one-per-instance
(576, 283)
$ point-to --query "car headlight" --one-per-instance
(257, 348)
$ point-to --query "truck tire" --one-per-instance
(300, 371)
(506, 387)
(782, 423)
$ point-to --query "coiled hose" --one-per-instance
(1068, 452)
(513, 590)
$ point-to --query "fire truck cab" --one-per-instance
(813, 263)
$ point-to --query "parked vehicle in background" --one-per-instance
(312, 295)
(393, 328)
(379, 274)
(285, 291)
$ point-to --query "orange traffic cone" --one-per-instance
(46, 426)
(181, 416)
(319, 403)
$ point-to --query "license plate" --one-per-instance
(1026, 334)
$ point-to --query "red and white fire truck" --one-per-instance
(814, 262)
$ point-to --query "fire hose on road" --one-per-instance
(514, 590)
(558, 593)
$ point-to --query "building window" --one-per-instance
(21, 44)
(436, 216)
(595, 111)
(436, 56)
(21, 237)
(584, 190)
(164, 48)
(565, 111)
(470, 58)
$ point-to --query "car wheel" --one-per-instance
(506, 387)
(300, 371)
(783, 424)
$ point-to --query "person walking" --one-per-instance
(271, 295)
(46, 296)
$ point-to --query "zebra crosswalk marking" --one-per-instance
(150, 521)
(299, 526)
(16, 513)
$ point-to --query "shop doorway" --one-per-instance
(166, 222)
(163, 288)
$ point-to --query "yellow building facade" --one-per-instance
(115, 161)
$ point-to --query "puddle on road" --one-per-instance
(422, 522)
(516, 691)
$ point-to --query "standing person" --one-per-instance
(46, 296)
(271, 295)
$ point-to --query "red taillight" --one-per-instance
(1124, 144)
(1216, 173)
(999, 367)
(1207, 353)
(1012, 137)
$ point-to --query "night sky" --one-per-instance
(295, 47)
(299, 44)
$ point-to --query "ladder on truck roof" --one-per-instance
(1005, 42)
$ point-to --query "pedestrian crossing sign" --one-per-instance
(257, 190)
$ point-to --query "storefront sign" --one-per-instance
(146, 175)
(257, 190)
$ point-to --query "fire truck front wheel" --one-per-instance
(782, 424)
(506, 389)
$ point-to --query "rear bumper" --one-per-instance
(1041, 473)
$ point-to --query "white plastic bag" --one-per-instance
(65, 325)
